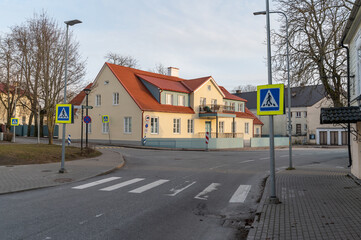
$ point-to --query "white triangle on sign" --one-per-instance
(269, 101)
(63, 114)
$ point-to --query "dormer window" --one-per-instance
(169, 99)
(181, 100)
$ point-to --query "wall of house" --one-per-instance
(21, 112)
(204, 92)
(126, 108)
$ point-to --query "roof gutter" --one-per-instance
(350, 21)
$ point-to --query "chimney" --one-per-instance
(172, 71)
(238, 91)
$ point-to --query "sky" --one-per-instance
(218, 38)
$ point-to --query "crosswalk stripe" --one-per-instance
(240, 194)
(96, 183)
(175, 191)
(123, 184)
(203, 195)
(149, 186)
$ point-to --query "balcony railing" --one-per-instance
(216, 108)
(221, 135)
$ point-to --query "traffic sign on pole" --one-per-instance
(105, 118)
(270, 99)
(64, 113)
(87, 119)
(14, 121)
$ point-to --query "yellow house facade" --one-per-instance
(163, 111)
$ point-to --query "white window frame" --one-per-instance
(213, 103)
(98, 100)
(181, 100)
(190, 126)
(169, 99)
(241, 107)
(105, 128)
(246, 128)
(154, 125)
(221, 127)
(116, 98)
(89, 127)
(128, 125)
(176, 125)
(203, 101)
(232, 106)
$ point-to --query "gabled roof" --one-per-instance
(305, 96)
(165, 84)
(194, 84)
(230, 96)
(140, 94)
(349, 24)
(78, 99)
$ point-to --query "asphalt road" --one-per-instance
(157, 195)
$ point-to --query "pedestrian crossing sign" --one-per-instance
(270, 99)
(105, 118)
(64, 113)
(14, 121)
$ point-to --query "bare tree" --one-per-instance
(126, 61)
(245, 88)
(160, 68)
(41, 46)
(10, 79)
(315, 28)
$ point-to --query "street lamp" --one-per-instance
(288, 83)
(68, 23)
(87, 91)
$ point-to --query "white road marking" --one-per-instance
(123, 184)
(176, 191)
(203, 195)
(246, 161)
(218, 166)
(96, 183)
(149, 186)
(99, 215)
(284, 156)
(264, 158)
(339, 167)
(240, 194)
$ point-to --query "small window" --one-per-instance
(190, 125)
(154, 121)
(246, 128)
(98, 100)
(106, 82)
(221, 127)
(305, 114)
(298, 114)
(115, 98)
(257, 131)
(169, 99)
(209, 87)
(105, 128)
(181, 100)
(176, 125)
(127, 124)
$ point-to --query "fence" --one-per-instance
(22, 130)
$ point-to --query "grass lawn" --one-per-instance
(22, 154)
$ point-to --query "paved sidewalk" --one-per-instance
(25, 177)
(317, 203)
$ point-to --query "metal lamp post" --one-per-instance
(87, 91)
(68, 23)
(290, 167)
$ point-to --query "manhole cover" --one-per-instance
(63, 180)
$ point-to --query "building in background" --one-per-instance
(164, 110)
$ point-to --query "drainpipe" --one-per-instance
(348, 101)
(141, 134)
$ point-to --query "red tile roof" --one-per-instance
(249, 114)
(78, 99)
(194, 84)
(140, 94)
(231, 96)
(165, 84)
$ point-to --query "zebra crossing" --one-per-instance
(239, 196)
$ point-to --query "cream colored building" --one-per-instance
(352, 37)
(164, 110)
(306, 104)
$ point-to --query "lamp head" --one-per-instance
(72, 22)
(259, 13)
(87, 91)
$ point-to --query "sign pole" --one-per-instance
(273, 198)
(82, 126)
